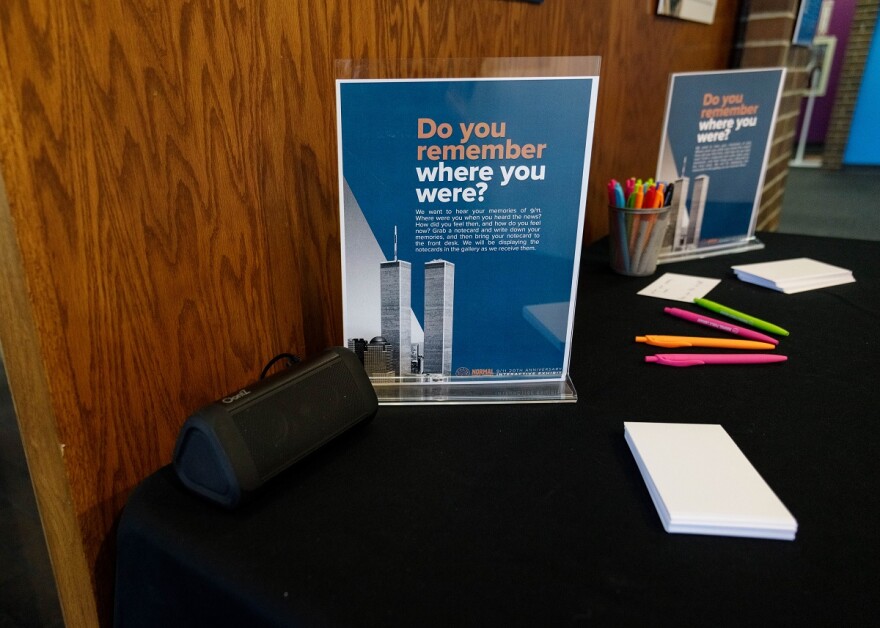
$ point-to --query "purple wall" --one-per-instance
(839, 26)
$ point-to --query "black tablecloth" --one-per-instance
(536, 514)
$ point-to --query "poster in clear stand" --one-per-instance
(714, 149)
(462, 208)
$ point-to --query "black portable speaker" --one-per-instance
(228, 449)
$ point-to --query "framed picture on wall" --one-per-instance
(702, 11)
(823, 47)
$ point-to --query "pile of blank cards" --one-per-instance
(794, 275)
(702, 483)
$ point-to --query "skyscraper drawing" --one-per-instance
(439, 292)
(395, 279)
(377, 358)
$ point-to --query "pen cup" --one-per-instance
(634, 238)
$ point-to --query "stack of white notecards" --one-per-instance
(701, 483)
(794, 275)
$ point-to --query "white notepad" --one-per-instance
(794, 275)
(701, 483)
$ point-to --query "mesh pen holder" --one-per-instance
(635, 237)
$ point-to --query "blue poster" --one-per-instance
(715, 145)
(807, 22)
(462, 207)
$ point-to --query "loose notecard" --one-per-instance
(675, 287)
(794, 275)
(702, 483)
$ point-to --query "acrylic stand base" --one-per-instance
(752, 244)
(398, 392)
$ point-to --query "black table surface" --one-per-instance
(536, 514)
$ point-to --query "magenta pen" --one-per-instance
(701, 359)
(719, 325)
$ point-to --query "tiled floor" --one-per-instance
(816, 202)
(844, 203)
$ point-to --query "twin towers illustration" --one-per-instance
(395, 284)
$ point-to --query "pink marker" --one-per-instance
(720, 325)
(700, 359)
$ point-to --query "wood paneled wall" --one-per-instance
(170, 217)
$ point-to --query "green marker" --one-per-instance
(739, 316)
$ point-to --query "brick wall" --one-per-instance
(766, 31)
(765, 35)
(861, 32)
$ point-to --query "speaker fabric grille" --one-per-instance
(303, 415)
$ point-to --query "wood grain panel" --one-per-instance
(172, 183)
